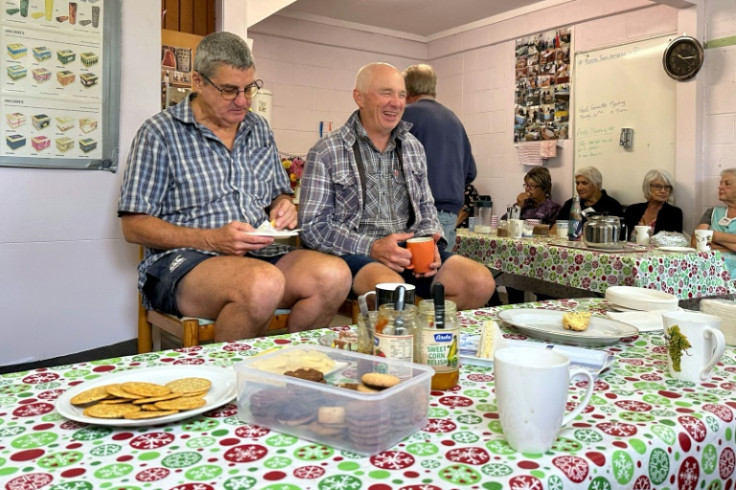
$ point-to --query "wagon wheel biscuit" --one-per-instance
(379, 381)
(110, 411)
(145, 389)
(88, 396)
(189, 385)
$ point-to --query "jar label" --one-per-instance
(439, 349)
(394, 346)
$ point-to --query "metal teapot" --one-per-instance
(604, 232)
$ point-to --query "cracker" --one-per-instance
(379, 381)
(154, 399)
(146, 414)
(185, 403)
(189, 385)
(116, 390)
(89, 396)
(110, 411)
(145, 389)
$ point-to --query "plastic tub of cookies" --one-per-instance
(347, 400)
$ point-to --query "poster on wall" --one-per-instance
(176, 74)
(54, 107)
(542, 95)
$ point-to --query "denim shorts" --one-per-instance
(423, 284)
(163, 276)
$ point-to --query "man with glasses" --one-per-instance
(365, 192)
(204, 192)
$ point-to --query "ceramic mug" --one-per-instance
(703, 239)
(422, 253)
(643, 234)
(703, 333)
(531, 386)
(516, 228)
(385, 293)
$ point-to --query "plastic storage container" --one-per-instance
(334, 415)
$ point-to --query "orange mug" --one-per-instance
(422, 253)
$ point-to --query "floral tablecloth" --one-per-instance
(686, 275)
(641, 430)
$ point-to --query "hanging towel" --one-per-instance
(529, 153)
(548, 149)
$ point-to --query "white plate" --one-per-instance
(224, 389)
(642, 299)
(677, 249)
(275, 234)
(547, 325)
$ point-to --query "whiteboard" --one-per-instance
(624, 87)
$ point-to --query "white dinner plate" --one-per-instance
(677, 249)
(547, 325)
(641, 299)
(275, 234)
(224, 389)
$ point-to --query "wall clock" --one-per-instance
(683, 57)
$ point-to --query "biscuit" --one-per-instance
(365, 389)
(117, 390)
(89, 396)
(149, 414)
(145, 389)
(379, 381)
(296, 414)
(189, 385)
(110, 411)
(268, 402)
(309, 374)
(184, 403)
(331, 415)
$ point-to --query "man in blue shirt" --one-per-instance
(450, 163)
(201, 176)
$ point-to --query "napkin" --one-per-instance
(645, 321)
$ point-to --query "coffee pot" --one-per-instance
(601, 231)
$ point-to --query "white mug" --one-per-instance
(531, 386)
(516, 228)
(643, 234)
(703, 239)
(707, 344)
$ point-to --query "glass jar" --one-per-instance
(393, 335)
(438, 347)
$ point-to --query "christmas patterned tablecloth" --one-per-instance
(642, 430)
(685, 274)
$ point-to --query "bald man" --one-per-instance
(365, 192)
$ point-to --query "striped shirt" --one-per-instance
(180, 171)
(332, 212)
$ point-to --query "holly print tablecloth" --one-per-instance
(684, 274)
(641, 430)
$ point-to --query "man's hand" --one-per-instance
(283, 213)
(233, 239)
(434, 266)
(387, 251)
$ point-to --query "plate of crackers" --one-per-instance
(148, 396)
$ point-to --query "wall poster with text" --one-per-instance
(542, 95)
(59, 106)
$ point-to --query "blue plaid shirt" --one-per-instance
(332, 213)
(179, 170)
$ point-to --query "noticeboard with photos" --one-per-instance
(59, 83)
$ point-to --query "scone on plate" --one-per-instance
(576, 320)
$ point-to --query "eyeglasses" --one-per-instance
(660, 187)
(231, 93)
(529, 186)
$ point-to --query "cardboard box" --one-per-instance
(41, 53)
(40, 121)
(15, 120)
(86, 124)
(15, 141)
(16, 72)
(64, 123)
(329, 414)
(88, 79)
(65, 56)
(64, 144)
(17, 51)
(40, 142)
(87, 144)
(88, 59)
(65, 77)
(41, 74)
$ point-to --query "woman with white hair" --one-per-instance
(722, 220)
(658, 188)
(593, 197)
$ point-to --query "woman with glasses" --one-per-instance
(658, 188)
(535, 201)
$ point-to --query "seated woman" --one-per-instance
(722, 220)
(593, 198)
(536, 200)
(658, 188)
